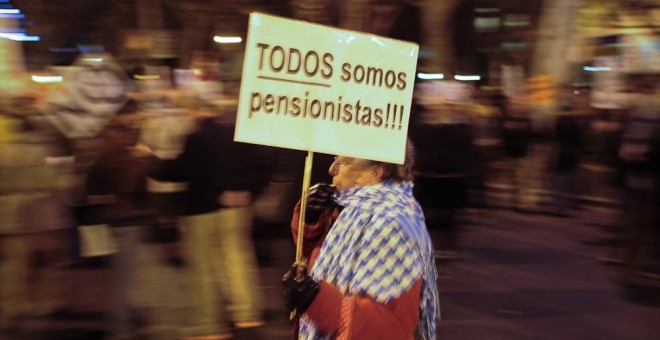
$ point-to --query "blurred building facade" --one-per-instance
(547, 37)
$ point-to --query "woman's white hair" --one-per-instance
(399, 172)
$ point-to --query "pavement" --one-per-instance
(527, 276)
(518, 276)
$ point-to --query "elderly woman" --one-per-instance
(371, 268)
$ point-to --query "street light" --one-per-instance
(19, 36)
(47, 79)
(596, 68)
(466, 78)
(227, 40)
(430, 75)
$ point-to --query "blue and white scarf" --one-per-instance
(378, 247)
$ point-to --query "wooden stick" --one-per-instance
(307, 177)
(303, 203)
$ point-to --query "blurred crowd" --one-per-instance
(497, 151)
(163, 196)
(181, 211)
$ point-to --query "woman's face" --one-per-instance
(350, 172)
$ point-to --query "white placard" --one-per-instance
(92, 91)
(443, 91)
(608, 85)
(312, 87)
(513, 80)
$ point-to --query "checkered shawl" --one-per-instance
(379, 247)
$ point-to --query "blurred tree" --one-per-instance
(554, 36)
(437, 34)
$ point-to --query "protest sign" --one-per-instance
(317, 88)
(608, 84)
(513, 80)
(92, 91)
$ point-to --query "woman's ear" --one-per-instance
(377, 173)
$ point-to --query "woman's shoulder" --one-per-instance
(393, 222)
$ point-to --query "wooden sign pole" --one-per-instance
(307, 176)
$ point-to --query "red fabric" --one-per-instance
(346, 318)
(364, 318)
(353, 317)
(313, 234)
(325, 308)
(313, 237)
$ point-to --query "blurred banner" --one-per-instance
(437, 92)
(90, 94)
(513, 80)
(323, 89)
(608, 83)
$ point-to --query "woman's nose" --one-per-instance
(333, 169)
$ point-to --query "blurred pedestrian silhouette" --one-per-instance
(34, 221)
(216, 228)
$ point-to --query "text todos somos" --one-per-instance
(317, 69)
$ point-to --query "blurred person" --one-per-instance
(272, 207)
(444, 165)
(216, 228)
(485, 123)
(570, 140)
(34, 222)
(368, 270)
(640, 157)
(117, 198)
(516, 139)
(163, 133)
(607, 128)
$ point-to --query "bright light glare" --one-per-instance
(146, 77)
(94, 60)
(47, 79)
(377, 41)
(9, 11)
(596, 68)
(19, 37)
(12, 15)
(431, 76)
(466, 78)
(227, 40)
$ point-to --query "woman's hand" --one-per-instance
(319, 198)
(299, 289)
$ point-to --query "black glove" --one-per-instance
(299, 289)
(319, 198)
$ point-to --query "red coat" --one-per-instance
(354, 317)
